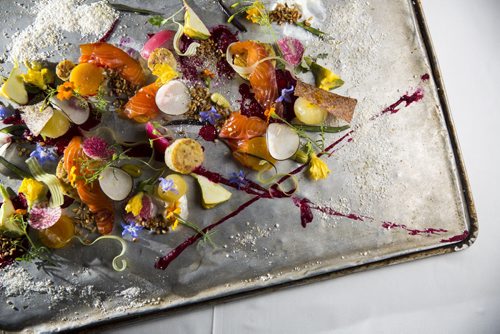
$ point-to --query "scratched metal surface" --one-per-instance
(410, 182)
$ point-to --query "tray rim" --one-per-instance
(470, 210)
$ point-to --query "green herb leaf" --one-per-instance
(157, 21)
(312, 30)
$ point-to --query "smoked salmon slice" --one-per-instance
(263, 77)
(142, 106)
(90, 193)
(239, 126)
(109, 56)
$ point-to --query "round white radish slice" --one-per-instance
(282, 141)
(115, 183)
(173, 98)
(77, 110)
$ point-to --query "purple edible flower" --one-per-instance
(292, 50)
(131, 229)
(238, 179)
(5, 112)
(286, 95)
(211, 116)
(44, 154)
(167, 185)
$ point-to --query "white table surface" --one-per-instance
(455, 293)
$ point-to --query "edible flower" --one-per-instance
(131, 229)
(42, 217)
(291, 49)
(238, 179)
(255, 12)
(44, 154)
(270, 112)
(38, 77)
(285, 94)
(97, 148)
(4, 112)
(65, 91)
(134, 205)
(318, 169)
(164, 72)
(72, 176)
(171, 214)
(168, 185)
(32, 190)
(211, 116)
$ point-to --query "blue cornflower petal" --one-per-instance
(131, 229)
(44, 154)
(285, 94)
(211, 116)
(167, 185)
(238, 179)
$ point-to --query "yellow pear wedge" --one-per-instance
(212, 193)
(193, 25)
(13, 89)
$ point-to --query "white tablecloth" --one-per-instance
(455, 293)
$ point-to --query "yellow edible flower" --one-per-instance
(72, 176)
(32, 190)
(318, 169)
(39, 77)
(171, 214)
(270, 112)
(164, 72)
(134, 205)
(255, 11)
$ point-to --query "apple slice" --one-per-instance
(193, 25)
(212, 193)
(13, 89)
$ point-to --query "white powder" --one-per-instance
(44, 37)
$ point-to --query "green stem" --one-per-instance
(312, 30)
(319, 128)
(128, 9)
(13, 168)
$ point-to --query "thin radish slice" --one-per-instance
(77, 110)
(162, 39)
(115, 183)
(173, 98)
(282, 141)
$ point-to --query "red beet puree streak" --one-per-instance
(305, 205)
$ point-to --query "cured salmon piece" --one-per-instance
(263, 77)
(142, 106)
(109, 56)
(239, 126)
(89, 193)
(251, 152)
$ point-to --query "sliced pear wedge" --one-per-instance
(13, 89)
(193, 25)
(212, 193)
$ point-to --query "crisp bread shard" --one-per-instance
(36, 117)
(340, 106)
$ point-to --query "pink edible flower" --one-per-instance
(292, 50)
(44, 217)
(97, 148)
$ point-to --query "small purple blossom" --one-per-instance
(131, 229)
(168, 185)
(285, 95)
(44, 154)
(211, 116)
(97, 148)
(239, 179)
(124, 41)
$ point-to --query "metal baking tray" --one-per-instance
(398, 189)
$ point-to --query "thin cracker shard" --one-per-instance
(337, 105)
